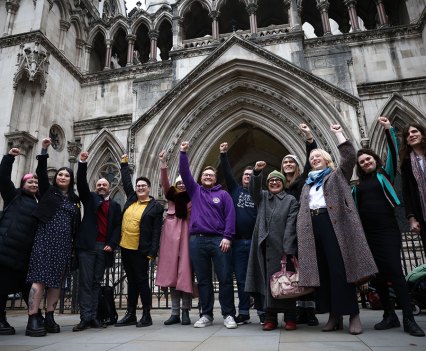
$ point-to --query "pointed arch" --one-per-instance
(187, 5)
(94, 31)
(164, 16)
(81, 33)
(143, 19)
(64, 9)
(220, 3)
(241, 91)
(400, 112)
(117, 25)
(105, 152)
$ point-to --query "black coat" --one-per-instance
(410, 192)
(86, 236)
(17, 225)
(51, 197)
(151, 220)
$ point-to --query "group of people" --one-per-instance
(341, 236)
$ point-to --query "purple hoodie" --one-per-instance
(212, 210)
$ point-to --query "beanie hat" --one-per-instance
(276, 174)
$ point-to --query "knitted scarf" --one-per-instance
(181, 199)
(419, 175)
(317, 177)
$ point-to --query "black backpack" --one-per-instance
(107, 314)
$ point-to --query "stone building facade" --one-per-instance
(96, 77)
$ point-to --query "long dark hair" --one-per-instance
(379, 164)
(71, 194)
(406, 149)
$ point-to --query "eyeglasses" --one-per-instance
(142, 186)
(247, 174)
(275, 180)
(208, 175)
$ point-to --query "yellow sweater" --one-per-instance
(130, 227)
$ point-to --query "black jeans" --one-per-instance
(91, 274)
(136, 266)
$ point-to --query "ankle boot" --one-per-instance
(311, 319)
(40, 315)
(49, 323)
(301, 317)
(34, 326)
(128, 319)
(410, 325)
(334, 322)
(185, 317)
(390, 320)
(173, 319)
(5, 328)
(146, 319)
(355, 326)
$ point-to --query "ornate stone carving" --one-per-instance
(22, 140)
(32, 62)
(74, 149)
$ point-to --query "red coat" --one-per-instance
(174, 266)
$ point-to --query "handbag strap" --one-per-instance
(284, 263)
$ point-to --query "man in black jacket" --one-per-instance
(140, 239)
(95, 242)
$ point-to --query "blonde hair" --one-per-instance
(326, 156)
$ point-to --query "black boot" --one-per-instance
(185, 317)
(301, 317)
(173, 319)
(50, 324)
(390, 320)
(311, 319)
(410, 325)
(34, 326)
(128, 319)
(5, 328)
(146, 319)
(40, 316)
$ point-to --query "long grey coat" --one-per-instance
(357, 257)
(274, 235)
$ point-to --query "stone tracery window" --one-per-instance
(109, 170)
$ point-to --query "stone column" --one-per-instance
(251, 10)
(74, 149)
(23, 163)
(11, 8)
(215, 25)
(87, 53)
(130, 47)
(177, 22)
(64, 26)
(323, 6)
(381, 12)
(293, 14)
(79, 44)
(352, 14)
(108, 53)
(153, 36)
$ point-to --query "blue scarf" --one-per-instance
(317, 177)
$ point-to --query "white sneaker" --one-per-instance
(229, 322)
(203, 322)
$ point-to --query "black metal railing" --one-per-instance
(412, 255)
